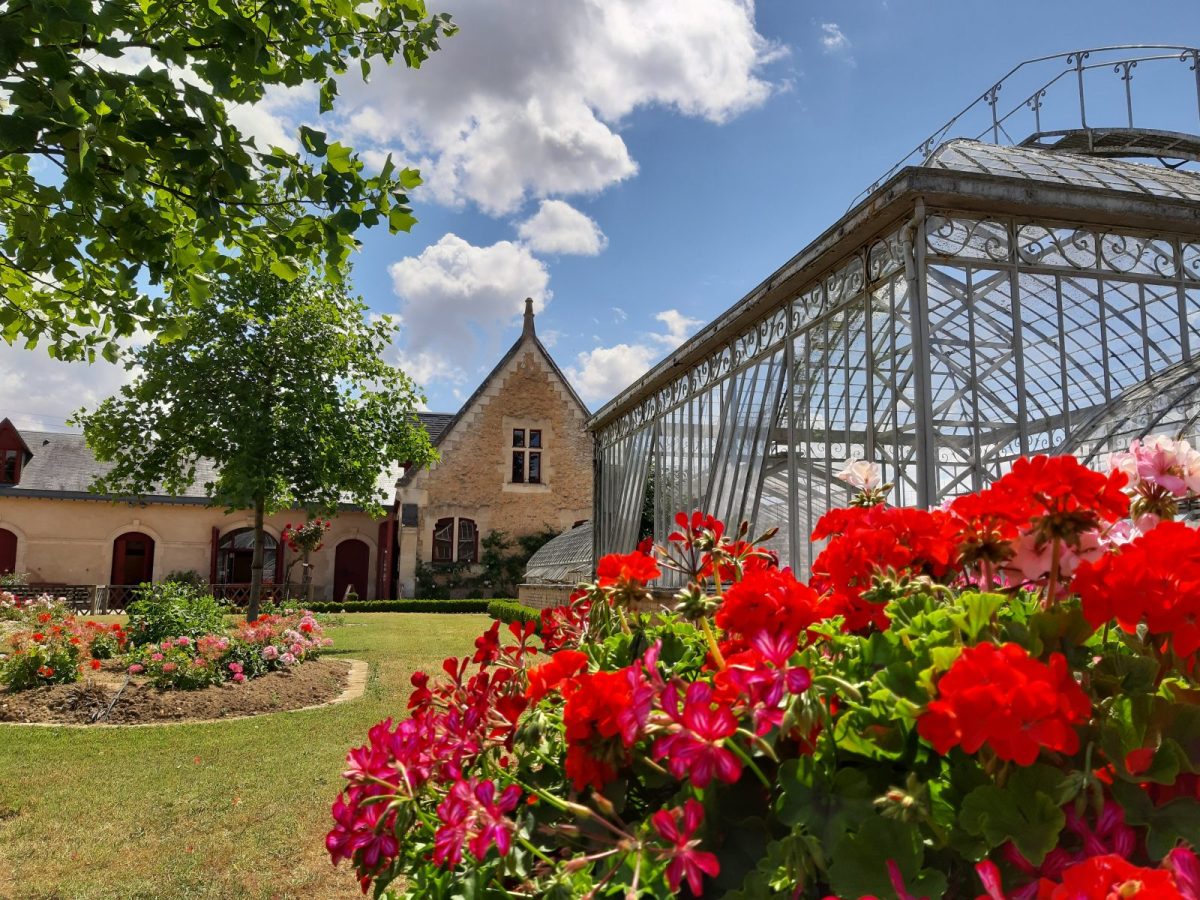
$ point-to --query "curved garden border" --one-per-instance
(356, 685)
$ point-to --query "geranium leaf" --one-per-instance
(859, 861)
(1025, 811)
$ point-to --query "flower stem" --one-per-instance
(1055, 562)
(746, 758)
(535, 851)
(718, 658)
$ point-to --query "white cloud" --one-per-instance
(679, 327)
(456, 298)
(558, 227)
(41, 392)
(619, 314)
(526, 100)
(833, 40)
(601, 373)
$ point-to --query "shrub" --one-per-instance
(14, 608)
(181, 662)
(269, 643)
(996, 699)
(513, 611)
(190, 577)
(403, 605)
(172, 609)
(55, 651)
(38, 658)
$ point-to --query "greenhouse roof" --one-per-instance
(566, 559)
(959, 174)
(1066, 168)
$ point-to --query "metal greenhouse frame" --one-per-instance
(993, 300)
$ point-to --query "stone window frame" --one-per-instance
(526, 445)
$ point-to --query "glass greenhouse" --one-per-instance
(994, 299)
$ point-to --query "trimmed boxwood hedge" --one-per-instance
(404, 605)
(513, 611)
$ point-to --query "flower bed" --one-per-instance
(45, 644)
(997, 699)
(268, 644)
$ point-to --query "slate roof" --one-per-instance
(435, 423)
(62, 466)
(566, 559)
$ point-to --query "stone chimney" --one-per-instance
(528, 331)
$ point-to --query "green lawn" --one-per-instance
(237, 809)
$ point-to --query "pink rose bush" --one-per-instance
(997, 700)
(252, 649)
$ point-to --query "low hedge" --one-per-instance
(406, 605)
(513, 611)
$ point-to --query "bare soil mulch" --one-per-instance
(85, 702)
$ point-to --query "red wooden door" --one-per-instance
(8, 552)
(351, 568)
(133, 559)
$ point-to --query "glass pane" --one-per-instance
(535, 468)
(535, 437)
(518, 437)
(518, 467)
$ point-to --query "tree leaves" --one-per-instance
(121, 191)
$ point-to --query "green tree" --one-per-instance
(281, 385)
(123, 192)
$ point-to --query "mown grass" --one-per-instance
(235, 809)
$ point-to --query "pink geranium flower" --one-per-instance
(696, 751)
(677, 827)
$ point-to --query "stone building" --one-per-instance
(58, 533)
(516, 458)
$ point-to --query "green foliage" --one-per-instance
(186, 576)
(281, 385)
(426, 605)
(113, 179)
(513, 611)
(30, 662)
(427, 583)
(170, 609)
(14, 580)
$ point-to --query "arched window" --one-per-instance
(443, 541)
(468, 541)
(8, 552)
(133, 559)
(235, 556)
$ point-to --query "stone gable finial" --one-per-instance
(528, 329)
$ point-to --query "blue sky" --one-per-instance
(686, 149)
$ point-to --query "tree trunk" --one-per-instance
(256, 566)
(306, 585)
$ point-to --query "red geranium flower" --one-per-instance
(768, 600)
(547, 677)
(1059, 498)
(615, 569)
(869, 540)
(1003, 697)
(1153, 579)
